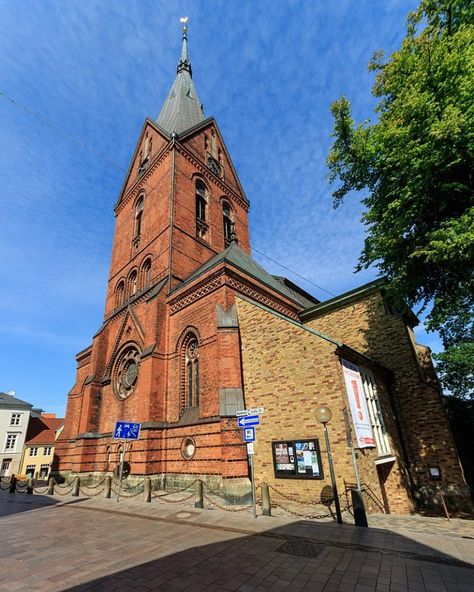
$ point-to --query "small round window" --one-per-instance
(126, 372)
(188, 448)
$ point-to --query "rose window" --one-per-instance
(126, 372)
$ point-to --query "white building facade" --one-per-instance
(14, 419)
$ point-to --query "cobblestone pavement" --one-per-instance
(78, 545)
(422, 524)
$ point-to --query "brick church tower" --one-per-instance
(168, 353)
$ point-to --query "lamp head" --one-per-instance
(323, 414)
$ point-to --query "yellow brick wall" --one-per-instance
(373, 330)
(290, 371)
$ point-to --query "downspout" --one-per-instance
(170, 246)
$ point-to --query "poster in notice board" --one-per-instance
(297, 459)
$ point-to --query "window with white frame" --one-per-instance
(30, 471)
(375, 412)
(10, 443)
(15, 419)
(47, 450)
(5, 470)
(33, 451)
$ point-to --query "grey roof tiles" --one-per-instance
(182, 108)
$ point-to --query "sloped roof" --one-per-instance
(182, 108)
(7, 400)
(42, 430)
(239, 259)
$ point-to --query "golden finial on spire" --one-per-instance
(184, 21)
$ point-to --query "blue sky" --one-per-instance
(268, 71)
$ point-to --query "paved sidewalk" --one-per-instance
(436, 526)
(96, 544)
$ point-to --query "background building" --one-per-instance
(38, 451)
(195, 329)
(14, 418)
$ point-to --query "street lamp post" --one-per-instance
(323, 415)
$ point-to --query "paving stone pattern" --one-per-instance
(79, 545)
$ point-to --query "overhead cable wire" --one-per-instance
(59, 130)
(293, 272)
(85, 146)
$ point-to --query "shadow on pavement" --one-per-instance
(14, 503)
(291, 557)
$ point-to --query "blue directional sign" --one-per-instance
(127, 430)
(248, 420)
(249, 434)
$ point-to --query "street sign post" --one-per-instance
(125, 430)
(254, 501)
(248, 420)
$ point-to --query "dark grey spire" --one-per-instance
(182, 109)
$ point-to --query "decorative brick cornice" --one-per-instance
(198, 291)
(227, 277)
(206, 172)
(261, 296)
(84, 357)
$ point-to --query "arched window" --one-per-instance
(227, 223)
(190, 370)
(119, 294)
(146, 274)
(138, 218)
(132, 284)
(108, 456)
(201, 210)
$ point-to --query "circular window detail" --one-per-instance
(126, 372)
(188, 448)
(192, 349)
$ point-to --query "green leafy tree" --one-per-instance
(417, 163)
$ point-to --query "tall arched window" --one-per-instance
(190, 370)
(132, 284)
(138, 218)
(108, 456)
(119, 294)
(201, 210)
(227, 222)
(146, 274)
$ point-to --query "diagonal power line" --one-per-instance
(85, 146)
(59, 130)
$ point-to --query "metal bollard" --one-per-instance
(266, 507)
(13, 481)
(29, 486)
(51, 484)
(360, 517)
(199, 497)
(76, 486)
(108, 487)
(147, 489)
